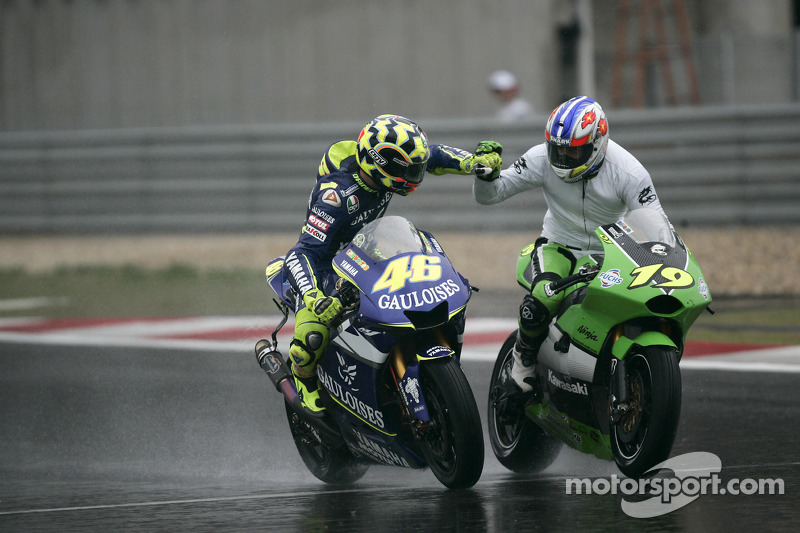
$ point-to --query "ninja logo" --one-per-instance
(646, 196)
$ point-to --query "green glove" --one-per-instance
(487, 160)
(325, 308)
(488, 147)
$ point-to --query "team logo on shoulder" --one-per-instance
(352, 204)
(332, 198)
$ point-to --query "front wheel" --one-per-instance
(453, 441)
(331, 464)
(646, 431)
(517, 442)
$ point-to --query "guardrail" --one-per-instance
(711, 166)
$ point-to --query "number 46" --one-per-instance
(398, 272)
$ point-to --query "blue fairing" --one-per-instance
(406, 285)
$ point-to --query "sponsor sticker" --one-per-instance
(323, 215)
(426, 242)
(609, 278)
(321, 224)
(356, 259)
(575, 388)
(314, 232)
(415, 299)
(332, 198)
(352, 204)
(659, 249)
(347, 267)
(624, 227)
(703, 289)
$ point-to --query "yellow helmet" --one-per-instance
(394, 152)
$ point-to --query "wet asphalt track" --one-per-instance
(111, 439)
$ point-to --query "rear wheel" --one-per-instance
(645, 433)
(517, 442)
(453, 439)
(331, 464)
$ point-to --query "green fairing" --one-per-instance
(605, 307)
(576, 434)
(608, 374)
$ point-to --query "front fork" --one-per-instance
(620, 396)
(405, 359)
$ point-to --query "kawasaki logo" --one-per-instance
(575, 388)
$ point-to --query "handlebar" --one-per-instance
(349, 298)
(584, 274)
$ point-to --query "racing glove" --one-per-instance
(488, 154)
(325, 308)
(488, 147)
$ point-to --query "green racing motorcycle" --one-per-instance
(607, 376)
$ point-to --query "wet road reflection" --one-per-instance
(133, 439)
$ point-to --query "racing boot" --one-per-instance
(523, 371)
(308, 388)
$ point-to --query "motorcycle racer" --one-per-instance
(355, 182)
(587, 180)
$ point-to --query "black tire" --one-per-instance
(645, 435)
(517, 442)
(333, 465)
(453, 444)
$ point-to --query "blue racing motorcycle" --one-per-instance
(392, 383)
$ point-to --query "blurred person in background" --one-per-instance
(354, 184)
(588, 180)
(505, 88)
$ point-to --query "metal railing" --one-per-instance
(711, 166)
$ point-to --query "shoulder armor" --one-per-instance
(337, 157)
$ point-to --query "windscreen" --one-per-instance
(648, 225)
(387, 237)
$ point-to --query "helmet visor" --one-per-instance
(568, 157)
(415, 172)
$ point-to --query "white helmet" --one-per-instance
(577, 139)
(502, 80)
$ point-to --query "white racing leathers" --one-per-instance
(574, 210)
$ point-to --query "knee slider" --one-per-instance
(533, 314)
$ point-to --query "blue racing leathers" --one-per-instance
(339, 206)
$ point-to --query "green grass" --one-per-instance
(183, 290)
(757, 321)
(178, 290)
